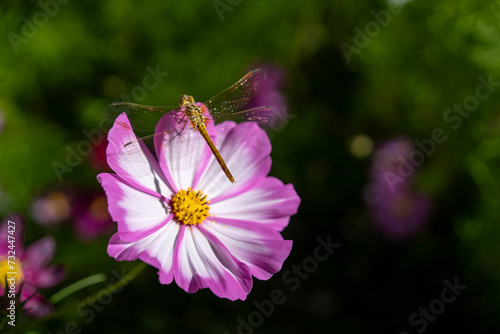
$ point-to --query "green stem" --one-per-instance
(80, 285)
(109, 289)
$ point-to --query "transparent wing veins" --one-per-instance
(265, 116)
(238, 95)
(142, 118)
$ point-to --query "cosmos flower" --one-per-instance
(180, 214)
(398, 210)
(31, 266)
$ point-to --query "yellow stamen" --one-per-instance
(190, 207)
(7, 269)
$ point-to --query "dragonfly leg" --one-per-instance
(179, 118)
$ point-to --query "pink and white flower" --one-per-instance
(180, 214)
(31, 266)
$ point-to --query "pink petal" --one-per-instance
(46, 277)
(138, 211)
(131, 159)
(262, 249)
(34, 262)
(39, 253)
(156, 249)
(37, 305)
(267, 202)
(181, 151)
(201, 261)
(245, 148)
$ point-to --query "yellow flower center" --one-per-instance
(7, 271)
(190, 207)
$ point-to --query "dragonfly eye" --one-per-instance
(186, 99)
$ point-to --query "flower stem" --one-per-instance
(122, 282)
(81, 284)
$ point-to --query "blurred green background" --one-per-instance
(424, 57)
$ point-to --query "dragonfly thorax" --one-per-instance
(194, 112)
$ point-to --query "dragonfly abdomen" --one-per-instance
(198, 120)
(203, 131)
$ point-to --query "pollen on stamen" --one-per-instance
(190, 207)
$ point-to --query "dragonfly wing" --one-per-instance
(265, 116)
(174, 144)
(128, 153)
(142, 118)
(238, 95)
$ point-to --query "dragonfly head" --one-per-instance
(185, 100)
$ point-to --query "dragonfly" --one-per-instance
(194, 116)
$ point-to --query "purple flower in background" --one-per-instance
(388, 157)
(401, 214)
(31, 265)
(52, 207)
(91, 216)
(397, 209)
(86, 209)
(271, 95)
